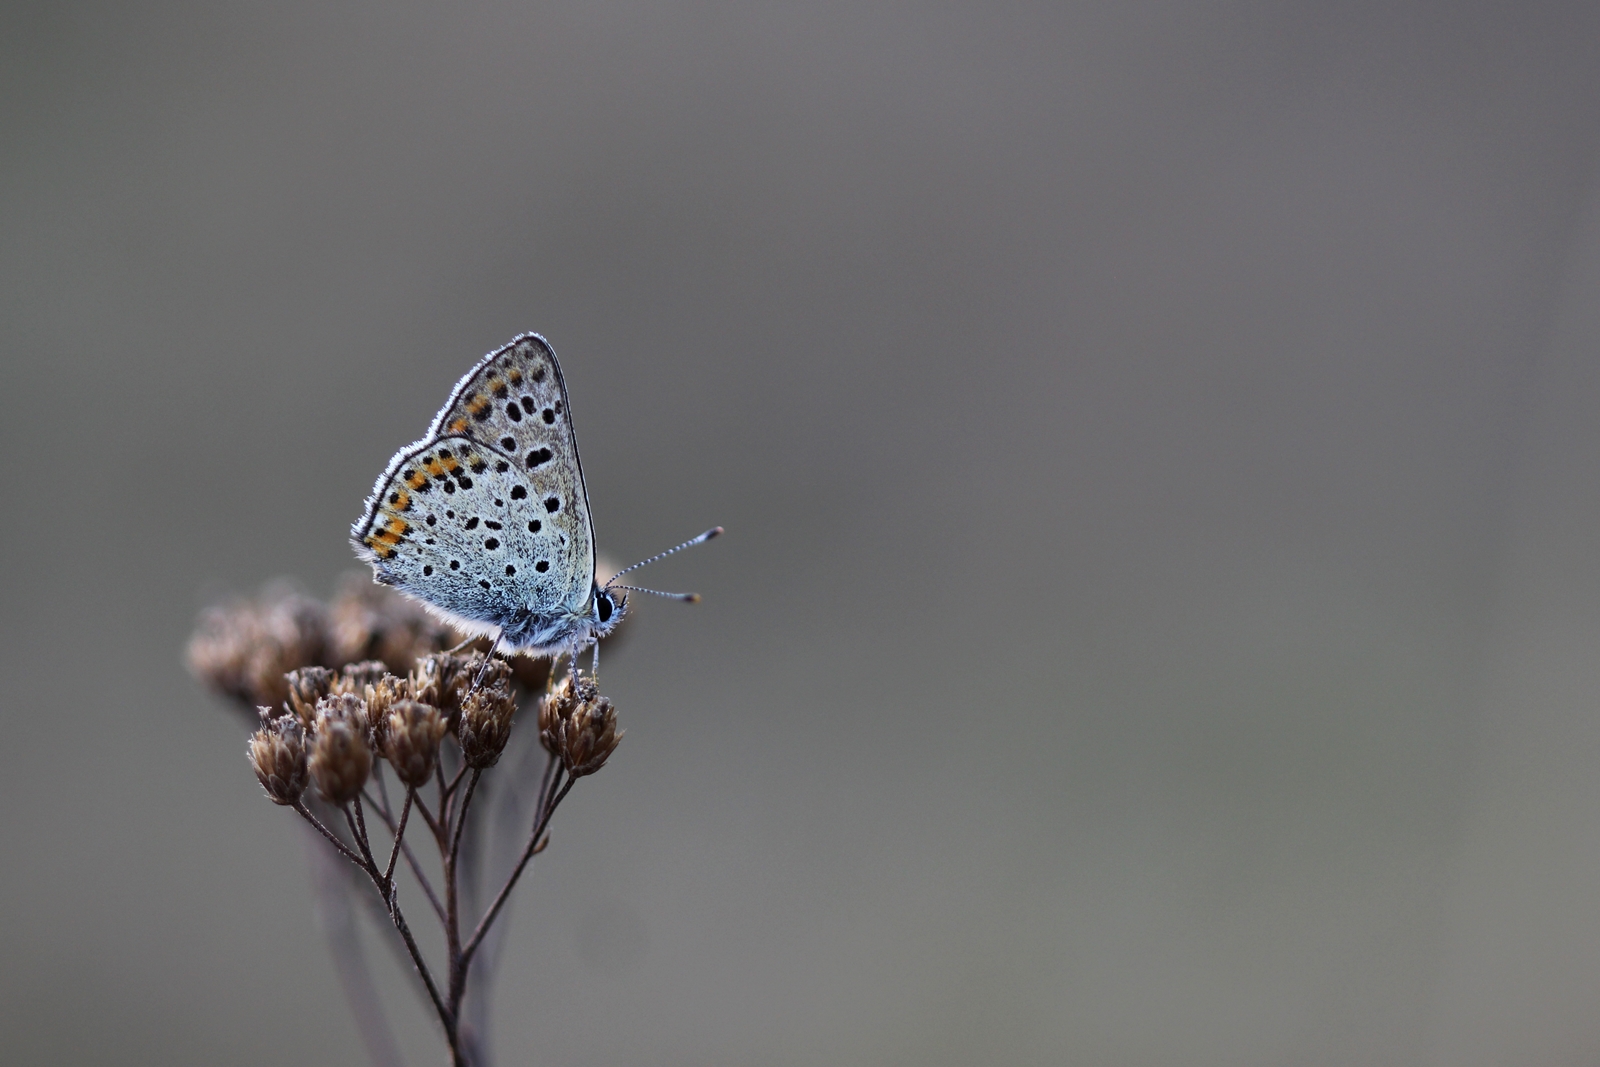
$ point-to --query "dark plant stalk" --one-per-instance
(453, 897)
(399, 838)
(345, 849)
(446, 1016)
(381, 806)
(532, 847)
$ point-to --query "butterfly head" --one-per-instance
(606, 610)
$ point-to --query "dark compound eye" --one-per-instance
(603, 604)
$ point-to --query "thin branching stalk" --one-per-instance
(511, 882)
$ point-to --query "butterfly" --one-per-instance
(486, 519)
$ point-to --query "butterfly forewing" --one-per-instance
(515, 401)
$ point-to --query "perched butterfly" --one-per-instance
(486, 519)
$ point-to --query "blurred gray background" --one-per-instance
(1158, 448)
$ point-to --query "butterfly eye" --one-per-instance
(602, 605)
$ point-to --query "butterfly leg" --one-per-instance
(483, 669)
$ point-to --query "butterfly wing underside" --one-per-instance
(504, 443)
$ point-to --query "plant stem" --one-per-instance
(546, 810)
(345, 849)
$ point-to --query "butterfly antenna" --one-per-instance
(702, 539)
(687, 598)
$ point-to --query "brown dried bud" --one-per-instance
(307, 686)
(551, 710)
(579, 725)
(368, 621)
(485, 724)
(245, 650)
(442, 680)
(340, 758)
(411, 740)
(355, 677)
(381, 697)
(278, 754)
(427, 676)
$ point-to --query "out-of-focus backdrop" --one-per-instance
(1159, 450)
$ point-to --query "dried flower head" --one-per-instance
(485, 724)
(381, 696)
(443, 680)
(278, 753)
(307, 686)
(579, 725)
(411, 740)
(246, 649)
(340, 758)
(368, 621)
(355, 677)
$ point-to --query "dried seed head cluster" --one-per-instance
(579, 725)
(332, 715)
(368, 622)
(244, 651)
(339, 691)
